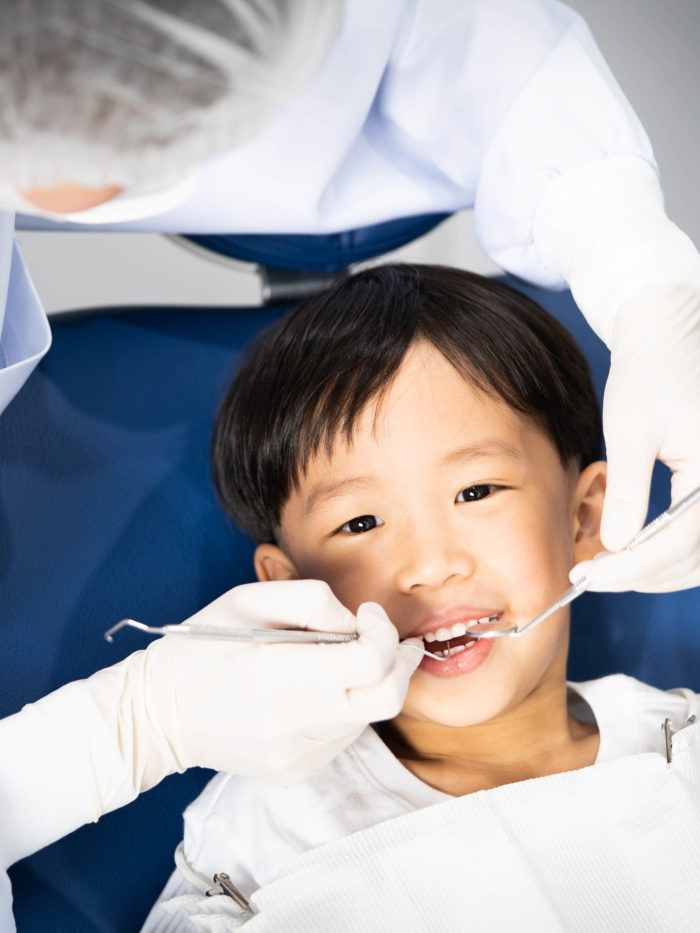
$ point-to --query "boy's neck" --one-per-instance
(537, 738)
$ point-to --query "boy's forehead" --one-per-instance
(429, 395)
(428, 402)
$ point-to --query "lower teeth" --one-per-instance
(457, 648)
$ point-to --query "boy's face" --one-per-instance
(447, 507)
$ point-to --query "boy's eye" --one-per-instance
(474, 493)
(358, 526)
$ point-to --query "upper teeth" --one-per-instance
(458, 629)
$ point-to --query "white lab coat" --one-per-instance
(426, 106)
(24, 331)
(422, 106)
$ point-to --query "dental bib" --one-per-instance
(613, 847)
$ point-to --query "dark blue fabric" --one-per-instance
(107, 510)
(326, 252)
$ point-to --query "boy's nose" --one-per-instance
(431, 559)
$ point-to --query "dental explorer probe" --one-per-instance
(287, 636)
(271, 636)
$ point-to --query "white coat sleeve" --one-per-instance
(6, 922)
(24, 330)
(69, 758)
(569, 142)
(41, 796)
(500, 101)
(64, 761)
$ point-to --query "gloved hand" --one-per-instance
(636, 278)
(278, 712)
(651, 410)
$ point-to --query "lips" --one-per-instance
(444, 633)
(461, 659)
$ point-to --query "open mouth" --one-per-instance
(452, 646)
(448, 641)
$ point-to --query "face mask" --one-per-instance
(133, 203)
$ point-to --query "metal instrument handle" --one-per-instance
(269, 635)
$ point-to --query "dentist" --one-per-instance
(306, 117)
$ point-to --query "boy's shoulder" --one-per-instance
(630, 714)
(626, 693)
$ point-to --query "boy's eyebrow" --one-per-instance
(489, 447)
(333, 488)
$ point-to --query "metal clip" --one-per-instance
(669, 733)
(230, 889)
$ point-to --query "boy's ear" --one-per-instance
(271, 563)
(588, 504)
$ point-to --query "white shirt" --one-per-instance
(251, 830)
(427, 106)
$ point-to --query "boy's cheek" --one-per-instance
(352, 584)
(531, 569)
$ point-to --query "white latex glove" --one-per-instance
(636, 278)
(651, 410)
(279, 712)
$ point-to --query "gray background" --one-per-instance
(653, 49)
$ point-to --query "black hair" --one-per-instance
(309, 377)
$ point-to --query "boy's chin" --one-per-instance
(456, 718)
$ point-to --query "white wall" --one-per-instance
(651, 46)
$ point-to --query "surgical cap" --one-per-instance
(126, 92)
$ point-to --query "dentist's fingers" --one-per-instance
(668, 561)
(385, 699)
(651, 410)
(631, 456)
(303, 604)
(365, 662)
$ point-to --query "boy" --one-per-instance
(429, 440)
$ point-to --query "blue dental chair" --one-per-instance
(107, 510)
